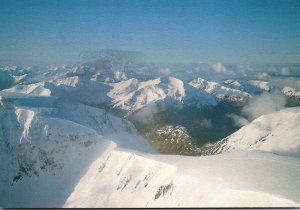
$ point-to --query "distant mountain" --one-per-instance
(250, 86)
(133, 95)
(223, 93)
(292, 95)
(61, 146)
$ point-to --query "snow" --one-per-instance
(19, 78)
(263, 85)
(25, 118)
(250, 86)
(34, 89)
(289, 91)
(248, 179)
(133, 95)
(62, 153)
(278, 132)
(48, 147)
(69, 81)
(221, 92)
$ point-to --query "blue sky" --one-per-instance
(227, 31)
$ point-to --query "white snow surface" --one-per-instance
(248, 179)
(56, 153)
(277, 132)
(289, 91)
(221, 92)
(250, 86)
(34, 89)
(133, 94)
(47, 146)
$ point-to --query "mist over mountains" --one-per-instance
(97, 134)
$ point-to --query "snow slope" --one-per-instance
(11, 75)
(133, 95)
(291, 92)
(278, 132)
(248, 179)
(34, 88)
(46, 146)
(223, 93)
(57, 152)
(249, 86)
(243, 178)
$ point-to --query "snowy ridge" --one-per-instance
(53, 146)
(250, 86)
(112, 88)
(68, 81)
(57, 151)
(221, 92)
(291, 92)
(34, 89)
(141, 180)
(133, 95)
(277, 132)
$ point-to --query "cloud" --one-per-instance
(285, 71)
(165, 71)
(238, 120)
(281, 82)
(262, 75)
(203, 122)
(146, 114)
(264, 104)
(220, 68)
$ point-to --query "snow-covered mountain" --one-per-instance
(278, 132)
(47, 145)
(109, 86)
(245, 179)
(126, 95)
(291, 92)
(59, 147)
(267, 147)
(11, 75)
(133, 95)
(38, 88)
(249, 86)
(223, 93)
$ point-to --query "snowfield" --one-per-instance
(247, 179)
(278, 132)
(59, 149)
(228, 94)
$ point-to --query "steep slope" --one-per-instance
(132, 95)
(278, 132)
(248, 179)
(11, 75)
(34, 89)
(249, 86)
(47, 146)
(223, 93)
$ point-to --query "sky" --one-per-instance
(166, 31)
